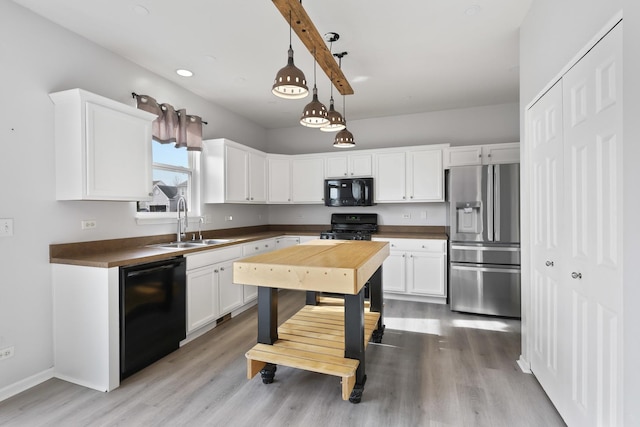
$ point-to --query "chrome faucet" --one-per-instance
(181, 232)
(200, 222)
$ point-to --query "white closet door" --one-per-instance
(547, 239)
(593, 184)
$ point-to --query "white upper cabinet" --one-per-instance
(307, 180)
(482, 154)
(102, 148)
(279, 182)
(349, 165)
(233, 173)
(409, 176)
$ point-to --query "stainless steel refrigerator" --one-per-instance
(484, 240)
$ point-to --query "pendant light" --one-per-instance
(290, 82)
(336, 122)
(314, 114)
(344, 138)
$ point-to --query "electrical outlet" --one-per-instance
(423, 215)
(228, 218)
(6, 353)
(406, 216)
(88, 224)
(6, 227)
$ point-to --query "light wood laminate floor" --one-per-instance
(433, 368)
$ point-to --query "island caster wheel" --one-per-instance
(267, 373)
(376, 336)
(356, 394)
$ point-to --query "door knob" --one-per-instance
(549, 263)
(575, 275)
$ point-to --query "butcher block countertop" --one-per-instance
(341, 266)
(137, 250)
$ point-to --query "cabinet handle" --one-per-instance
(404, 255)
(288, 200)
(266, 246)
(404, 197)
(345, 174)
(575, 275)
(246, 198)
(351, 173)
(257, 248)
(549, 263)
(221, 268)
(393, 246)
(252, 198)
(480, 155)
(215, 271)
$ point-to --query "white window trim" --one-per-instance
(195, 208)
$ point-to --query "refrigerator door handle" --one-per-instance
(496, 203)
(490, 203)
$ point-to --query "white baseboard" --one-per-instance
(524, 365)
(25, 384)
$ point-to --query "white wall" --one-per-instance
(552, 34)
(466, 126)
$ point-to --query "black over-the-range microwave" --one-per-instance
(348, 192)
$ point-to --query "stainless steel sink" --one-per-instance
(192, 243)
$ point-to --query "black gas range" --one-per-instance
(351, 226)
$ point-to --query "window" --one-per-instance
(174, 175)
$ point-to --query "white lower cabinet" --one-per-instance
(416, 268)
(250, 292)
(211, 292)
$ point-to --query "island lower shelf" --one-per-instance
(313, 340)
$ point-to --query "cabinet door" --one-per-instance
(427, 273)
(231, 296)
(236, 173)
(501, 153)
(257, 178)
(463, 156)
(337, 167)
(308, 180)
(279, 180)
(390, 177)
(202, 297)
(425, 176)
(118, 155)
(360, 165)
(393, 273)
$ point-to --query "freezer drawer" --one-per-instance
(482, 253)
(485, 289)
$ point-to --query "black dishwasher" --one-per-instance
(152, 312)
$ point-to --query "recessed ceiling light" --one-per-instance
(184, 73)
(472, 10)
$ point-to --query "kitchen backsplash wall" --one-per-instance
(388, 214)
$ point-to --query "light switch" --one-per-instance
(6, 227)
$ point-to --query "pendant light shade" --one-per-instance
(290, 82)
(344, 139)
(314, 114)
(336, 122)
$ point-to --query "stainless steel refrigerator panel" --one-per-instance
(506, 203)
(485, 289)
(468, 203)
(484, 253)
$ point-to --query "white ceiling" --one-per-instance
(403, 57)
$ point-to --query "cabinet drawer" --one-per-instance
(258, 247)
(418, 245)
(201, 259)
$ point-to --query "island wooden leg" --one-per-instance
(376, 303)
(354, 339)
(267, 315)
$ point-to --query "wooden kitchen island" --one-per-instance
(325, 338)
